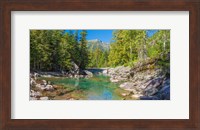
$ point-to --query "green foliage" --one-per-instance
(98, 58)
(83, 62)
(159, 44)
(64, 59)
(128, 46)
(56, 50)
(132, 46)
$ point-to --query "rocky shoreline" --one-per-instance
(45, 90)
(144, 81)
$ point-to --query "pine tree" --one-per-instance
(83, 50)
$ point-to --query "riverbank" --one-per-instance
(97, 87)
(144, 81)
(42, 86)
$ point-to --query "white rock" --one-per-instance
(44, 82)
(135, 96)
(124, 94)
(49, 88)
(105, 72)
(89, 74)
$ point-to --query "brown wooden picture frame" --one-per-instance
(6, 6)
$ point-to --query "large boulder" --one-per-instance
(159, 89)
(88, 73)
(150, 91)
(166, 82)
(153, 86)
(154, 83)
(164, 93)
(76, 69)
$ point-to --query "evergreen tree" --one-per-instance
(54, 50)
(83, 50)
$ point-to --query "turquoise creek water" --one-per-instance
(98, 87)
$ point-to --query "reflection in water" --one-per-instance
(76, 82)
(98, 87)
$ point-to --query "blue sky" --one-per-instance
(106, 35)
(103, 35)
(150, 32)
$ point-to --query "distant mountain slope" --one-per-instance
(96, 43)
